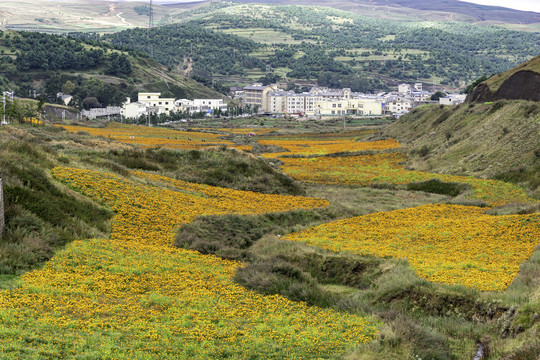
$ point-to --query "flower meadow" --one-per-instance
(386, 168)
(148, 137)
(134, 296)
(448, 244)
(323, 147)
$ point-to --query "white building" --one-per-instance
(323, 101)
(159, 105)
(452, 99)
(133, 110)
(200, 105)
(404, 89)
(366, 106)
(398, 104)
(277, 102)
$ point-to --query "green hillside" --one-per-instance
(329, 46)
(48, 64)
(365, 46)
(494, 140)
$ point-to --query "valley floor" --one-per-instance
(374, 262)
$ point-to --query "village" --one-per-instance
(273, 100)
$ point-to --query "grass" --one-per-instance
(41, 216)
(483, 140)
(218, 167)
(438, 187)
(264, 36)
(421, 319)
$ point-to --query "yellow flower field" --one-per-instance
(134, 296)
(147, 137)
(385, 168)
(323, 147)
(448, 244)
(245, 131)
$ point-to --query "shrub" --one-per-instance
(424, 150)
(436, 186)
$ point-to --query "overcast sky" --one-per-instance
(527, 5)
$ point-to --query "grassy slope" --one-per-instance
(474, 139)
(495, 82)
(148, 75)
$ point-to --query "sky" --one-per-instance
(526, 5)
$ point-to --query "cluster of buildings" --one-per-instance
(151, 103)
(320, 101)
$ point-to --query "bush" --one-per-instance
(436, 186)
(424, 151)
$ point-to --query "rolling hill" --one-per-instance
(329, 46)
(521, 82)
(48, 64)
(105, 16)
(426, 10)
(368, 45)
(487, 139)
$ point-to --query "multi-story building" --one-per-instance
(277, 101)
(200, 105)
(323, 101)
(257, 95)
(133, 110)
(398, 104)
(404, 89)
(159, 105)
(151, 103)
(352, 106)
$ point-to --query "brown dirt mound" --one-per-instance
(523, 85)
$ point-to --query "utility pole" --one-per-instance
(1, 209)
(151, 16)
(150, 26)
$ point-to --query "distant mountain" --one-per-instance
(474, 11)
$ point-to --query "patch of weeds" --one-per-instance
(437, 186)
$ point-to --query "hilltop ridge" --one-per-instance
(521, 82)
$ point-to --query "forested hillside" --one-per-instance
(96, 74)
(249, 41)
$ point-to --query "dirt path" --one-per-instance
(119, 15)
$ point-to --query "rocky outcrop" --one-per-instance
(523, 85)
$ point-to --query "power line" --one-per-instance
(151, 16)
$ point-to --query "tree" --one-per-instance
(90, 103)
(68, 87)
(437, 96)
(471, 87)
(167, 94)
